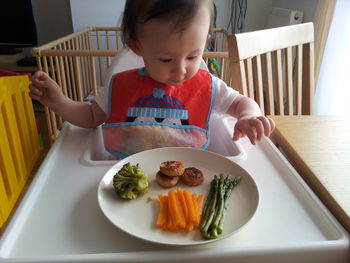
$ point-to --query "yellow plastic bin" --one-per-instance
(19, 143)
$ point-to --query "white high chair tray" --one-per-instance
(59, 219)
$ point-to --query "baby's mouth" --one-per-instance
(176, 81)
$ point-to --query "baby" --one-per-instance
(168, 102)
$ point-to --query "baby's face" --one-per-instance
(172, 56)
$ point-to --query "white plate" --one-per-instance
(137, 217)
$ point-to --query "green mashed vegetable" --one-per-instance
(130, 182)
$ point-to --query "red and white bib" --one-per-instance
(145, 114)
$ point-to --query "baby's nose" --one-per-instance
(180, 68)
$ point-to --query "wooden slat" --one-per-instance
(308, 81)
(117, 40)
(61, 63)
(215, 54)
(59, 81)
(112, 53)
(38, 61)
(62, 77)
(108, 59)
(268, 84)
(71, 72)
(258, 83)
(78, 82)
(235, 82)
(222, 60)
(106, 29)
(52, 69)
(289, 80)
(99, 58)
(93, 75)
(83, 67)
(250, 78)
(279, 82)
(299, 79)
(67, 70)
(88, 66)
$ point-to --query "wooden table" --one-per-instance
(319, 149)
(9, 62)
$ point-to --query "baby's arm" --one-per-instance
(250, 121)
(46, 90)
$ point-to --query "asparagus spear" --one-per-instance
(211, 209)
(216, 204)
(233, 183)
(207, 204)
(223, 185)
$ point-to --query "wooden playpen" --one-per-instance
(78, 63)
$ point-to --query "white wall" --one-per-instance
(52, 18)
(222, 14)
(109, 13)
(332, 92)
(308, 6)
(58, 18)
(96, 13)
(257, 14)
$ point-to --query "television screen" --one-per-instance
(18, 29)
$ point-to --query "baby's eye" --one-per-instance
(165, 60)
(191, 57)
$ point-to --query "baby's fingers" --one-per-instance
(34, 92)
(237, 134)
(259, 128)
(269, 125)
(251, 136)
(272, 125)
(40, 79)
(265, 124)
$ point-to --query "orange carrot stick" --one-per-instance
(174, 208)
(200, 202)
(163, 212)
(182, 200)
(191, 211)
(195, 206)
(181, 212)
(170, 226)
(189, 227)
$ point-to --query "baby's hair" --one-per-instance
(137, 12)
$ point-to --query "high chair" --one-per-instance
(275, 67)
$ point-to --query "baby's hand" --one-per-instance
(253, 127)
(44, 89)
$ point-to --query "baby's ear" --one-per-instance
(134, 45)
